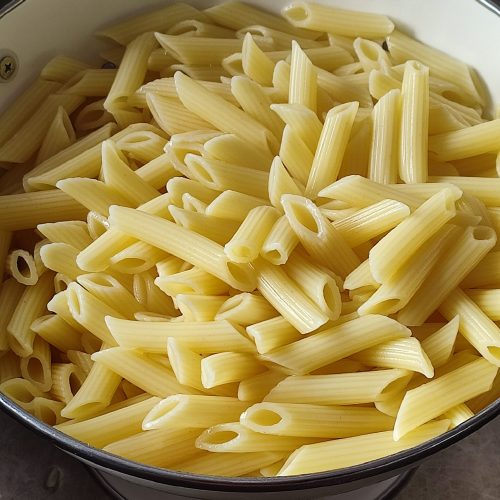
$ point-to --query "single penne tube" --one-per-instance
(287, 298)
(31, 305)
(113, 293)
(199, 307)
(58, 304)
(443, 393)
(256, 64)
(371, 221)
(485, 189)
(406, 354)
(224, 464)
(93, 194)
(390, 253)
(20, 264)
(414, 123)
(189, 411)
(450, 269)
(281, 39)
(117, 174)
(150, 296)
(203, 337)
(383, 165)
(272, 333)
(112, 426)
(149, 447)
(439, 345)
(302, 120)
(60, 134)
(295, 154)
(177, 187)
(426, 190)
(303, 79)
(280, 242)
(371, 55)
(48, 411)
(136, 258)
(219, 175)
(474, 324)
(157, 172)
(397, 290)
(226, 367)
(80, 359)
(232, 149)
(193, 281)
(441, 65)
(316, 283)
(245, 309)
(173, 239)
(154, 20)
(94, 395)
(458, 414)
(54, 330)
(28, 138)
(90, 83)
(21, 391)
(74, 233)
(146, 373)
(92, 116)
(311, 353)
(185, 363)
(172, 116)
(331, 147)
(333, 20)
(90, 312)
(37, 366)
(61, 258)
(343, 89)
(222, 114)
(281, 182)
(130, 76)
(11, 292)
(360, 192)
(88, 142)
(320, 239)
(292, 419)
(256, 387)
(487, 300)
(192, 27)
(215, 228)
(232, 205)
(255, 102)
(356, 450)
(62, 68)
(234, 437)
(245, 245)
(27, 210)
(67, 379)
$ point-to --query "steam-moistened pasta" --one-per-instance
(252, 271)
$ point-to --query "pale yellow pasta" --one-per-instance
(342, 388)
(439, 345)
(80, 359)
(280, 242)
(199, 307)
(61, 258)
(383, 166)
(21, 391)
(333, 20)
(20, 264)
(234, 437)
(331, 148)
(245, 309)
(222, 114)
(185, 363)
(488, 301)
(142, 145)
(232, 205)
(295, 154)
(256, 64)
(440, 395)
(59, 136)
(303, 79)
(53, 329)
(90, 83)
(356, 450)
(256, 387)
(136, 258)
(157, 172)
(62, 68)
(94, 395)
(292, 419)
(203, 337)
(118, 424)
(150, 296)
(29, 137)
(48, 411)
(67, 379)
(11, 292)
(280, 182)
(193, 412)
(221, 176)
(74, 233)
(37, 366)
(450, 269)
(390, 253)
(341, 89)
(320, 239)
(406, 354)
(272, 333)
(177, 187)
(474, 325)
(337, 342)
(192, 281)
(31, 305)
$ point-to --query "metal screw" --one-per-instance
(8, 67)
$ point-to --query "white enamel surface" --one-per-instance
(37, 30)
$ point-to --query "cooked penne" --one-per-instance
(21, 391)
(193, 281)
(256, 64)
(74, 233)
(337, 342)
(232, 205)
(272, 333)
(37, 366)
(67, 379)
(20, 264)
(439, 345)
(280, 242)
(295, 154)
(245, 309)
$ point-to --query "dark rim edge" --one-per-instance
(380, 466)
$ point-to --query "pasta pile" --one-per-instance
(259, 246)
